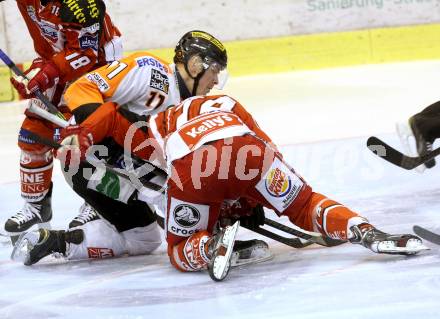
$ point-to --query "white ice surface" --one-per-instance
(322, 119)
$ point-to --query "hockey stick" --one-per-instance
(427, 235)
(11, 65)
(314, 238)
(115, 170)
(390, 154)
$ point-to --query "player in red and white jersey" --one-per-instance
(216, 153)
(70, 38)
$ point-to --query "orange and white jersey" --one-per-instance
(141, 83)
(198, 120)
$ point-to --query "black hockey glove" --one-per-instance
(255, 219)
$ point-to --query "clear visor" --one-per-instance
(218, 71)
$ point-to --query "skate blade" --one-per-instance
(221, 262)
(258, 255)
(23, 246)
(413, 247)
(409, 143)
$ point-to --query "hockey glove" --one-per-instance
(249, 212)
(255, 219)
(41, 75)
(75, 141)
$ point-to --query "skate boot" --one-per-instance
(86, 214)
(423, 146)
(31, 214)
(250, 252)
(33, 246)
(380, 242)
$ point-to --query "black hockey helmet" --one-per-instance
(203, 44)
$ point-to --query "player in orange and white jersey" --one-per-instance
(70, 38)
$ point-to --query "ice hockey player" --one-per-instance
(137, 86)
(424, 129)
(70, 39)
(216, 155)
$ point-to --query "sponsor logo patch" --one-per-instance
(186, 215)
(150, 61)
(159, 81)
(277, 183)
(99, 81)
(186, 218)
(48, 30)
(280, 186)
(91, 29)
(89, 41)
(204, 125)
(23, 136)
(95, 252)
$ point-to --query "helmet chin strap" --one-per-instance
(196, 82)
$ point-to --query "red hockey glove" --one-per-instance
(75, 141)
(40, 76)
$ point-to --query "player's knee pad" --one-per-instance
(35, 175)
(330, 217)
(101, 240)
(192, 253)
(142, 240)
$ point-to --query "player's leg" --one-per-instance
(283, 190)
(36, 163)
(131, 231)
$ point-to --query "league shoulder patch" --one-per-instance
(187, 218)
(280, 186)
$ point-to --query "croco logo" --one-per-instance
(186, 216)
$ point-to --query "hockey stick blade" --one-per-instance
(390, 154)
(427, 235)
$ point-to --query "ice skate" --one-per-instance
(222, 248)
(383, 243)
(31, 247)
(250, 252)
(86, 214)
(31, 214)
